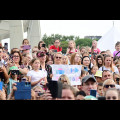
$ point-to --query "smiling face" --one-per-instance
(16, 57)
(58, 59)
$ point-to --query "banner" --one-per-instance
(73, 72)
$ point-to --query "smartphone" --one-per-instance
(55, 88)
(39, 94)
(101, 98)
(1, 85)
(86, 69)
(26, 47)
(93, 92)
(6, 46)
(44, 45)
(23, 91)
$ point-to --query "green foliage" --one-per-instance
(64, 40)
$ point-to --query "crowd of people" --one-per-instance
(99, 78)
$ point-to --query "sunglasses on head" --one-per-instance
(107, 86)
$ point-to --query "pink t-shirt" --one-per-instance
(97, 51)
(115, 52)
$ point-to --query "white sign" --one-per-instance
(73, 72)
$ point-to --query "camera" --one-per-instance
(94, 55)
(39, 94)
(14, 72)
(44, 45)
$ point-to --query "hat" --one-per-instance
(98, 74)
(12, 68)
(88, 77)
(41, 54)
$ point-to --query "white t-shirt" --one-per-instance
(36, 76)
(115, 69)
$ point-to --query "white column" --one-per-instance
(16, 33)
(34, 32)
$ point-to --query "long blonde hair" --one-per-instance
(111, 66)
(73, 43)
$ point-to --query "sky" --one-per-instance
(79, 28)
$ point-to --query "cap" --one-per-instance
(88, 77)
(12, 68)
(98, 74)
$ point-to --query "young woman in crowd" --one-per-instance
(17, 61)
(49, 60)
(75, 59)
(94, 69)
(37, 76)
(71, 47)
(43, 66)
(108, 65)
(87, 63)
(99, 60)
(94, 48)
(42, 47)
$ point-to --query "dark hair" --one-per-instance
(20, 62)
(89, 59)
(102, 58)
(1, 48)
(80, 93)
(12, 50)
(118, 43)
(100, 84)
(24, 40)
(39, 44)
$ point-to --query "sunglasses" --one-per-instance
(58, 57)
(107, 86)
